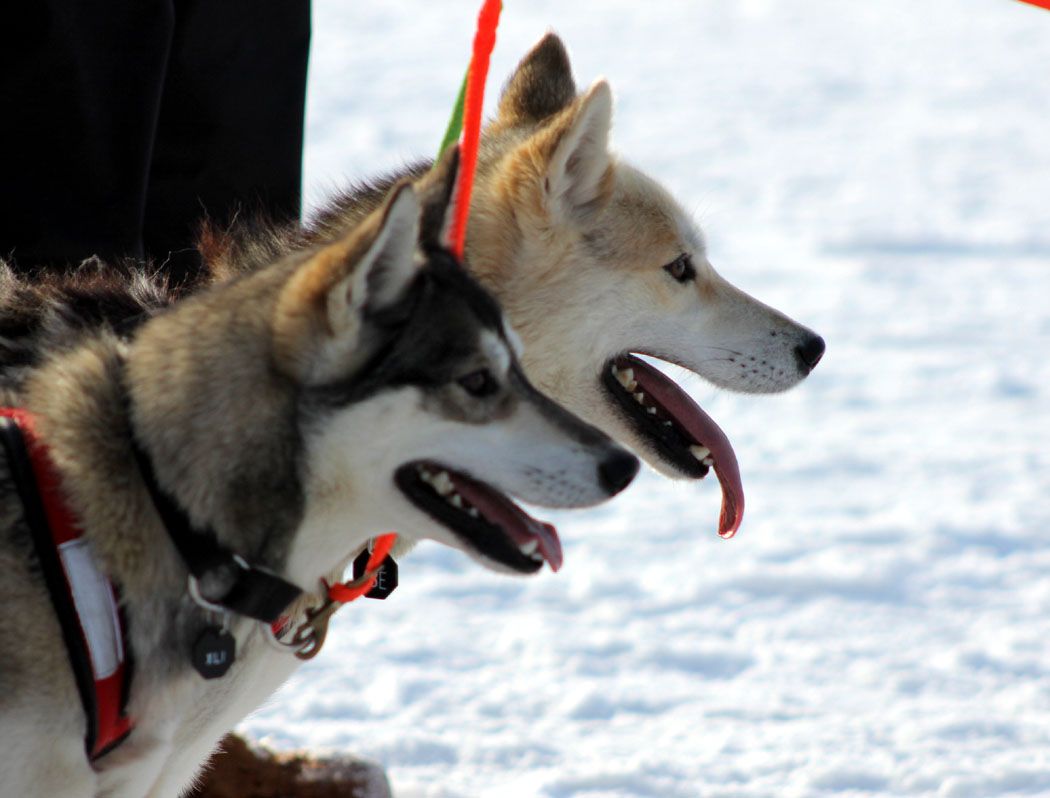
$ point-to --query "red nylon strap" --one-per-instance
(59, 518)
(345, 593)
(1041, 3)
(484, 41)
(110, 725)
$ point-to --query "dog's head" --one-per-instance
(416, 414)
(595, 263)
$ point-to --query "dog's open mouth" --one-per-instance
(678, 429)
(482, 517)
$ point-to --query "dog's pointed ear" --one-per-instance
(320, 313)
(578, 174)
(540, 87)
(389, 265)
(436, 189)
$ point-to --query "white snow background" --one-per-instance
(880, 625)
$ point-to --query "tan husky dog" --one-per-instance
(595, 263)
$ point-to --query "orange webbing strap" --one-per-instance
(484, 41)
(345, 592)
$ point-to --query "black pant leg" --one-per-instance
(230, 133)
(80, 84)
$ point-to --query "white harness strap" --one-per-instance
(96, 607)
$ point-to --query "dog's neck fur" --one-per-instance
(204, 362)
(82, 400)
(80, 410)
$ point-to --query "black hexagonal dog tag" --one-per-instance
(386, 578)
(214, 652)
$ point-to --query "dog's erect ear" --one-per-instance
(387, 268)
(321, 311)
(541, 86)
(435, 190)
(575, 146)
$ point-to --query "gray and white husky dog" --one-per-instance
(298, 409)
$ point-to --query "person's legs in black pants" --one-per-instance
(230, 133)
(125, 122)
(80, 87)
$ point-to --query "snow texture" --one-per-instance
(880, 626)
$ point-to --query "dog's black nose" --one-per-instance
(616, 471)
(809, 352)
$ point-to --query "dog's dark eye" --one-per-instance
(681, 269)
(479, 383)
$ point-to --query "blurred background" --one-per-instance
(879, 626)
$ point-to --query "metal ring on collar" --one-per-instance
(193, 588)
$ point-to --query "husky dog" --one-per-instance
(595, 263)
(343, 390)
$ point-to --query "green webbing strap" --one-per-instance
(455, 122)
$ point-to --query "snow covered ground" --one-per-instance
(880, 626)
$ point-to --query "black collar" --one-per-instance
(218, 577)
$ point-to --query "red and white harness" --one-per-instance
(85, 601)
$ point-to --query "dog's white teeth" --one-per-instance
(709, 462)
(701, 453)
(668, 424)
(639, 397)
(651, 411)
(625, 378)
(455, 500)
(536, 556)
(528, 548)
(424, 474)
(442, 483)
(473, 512)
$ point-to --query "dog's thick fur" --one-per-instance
(277, 407)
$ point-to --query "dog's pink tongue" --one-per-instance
(692, 419)
(520, 527)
